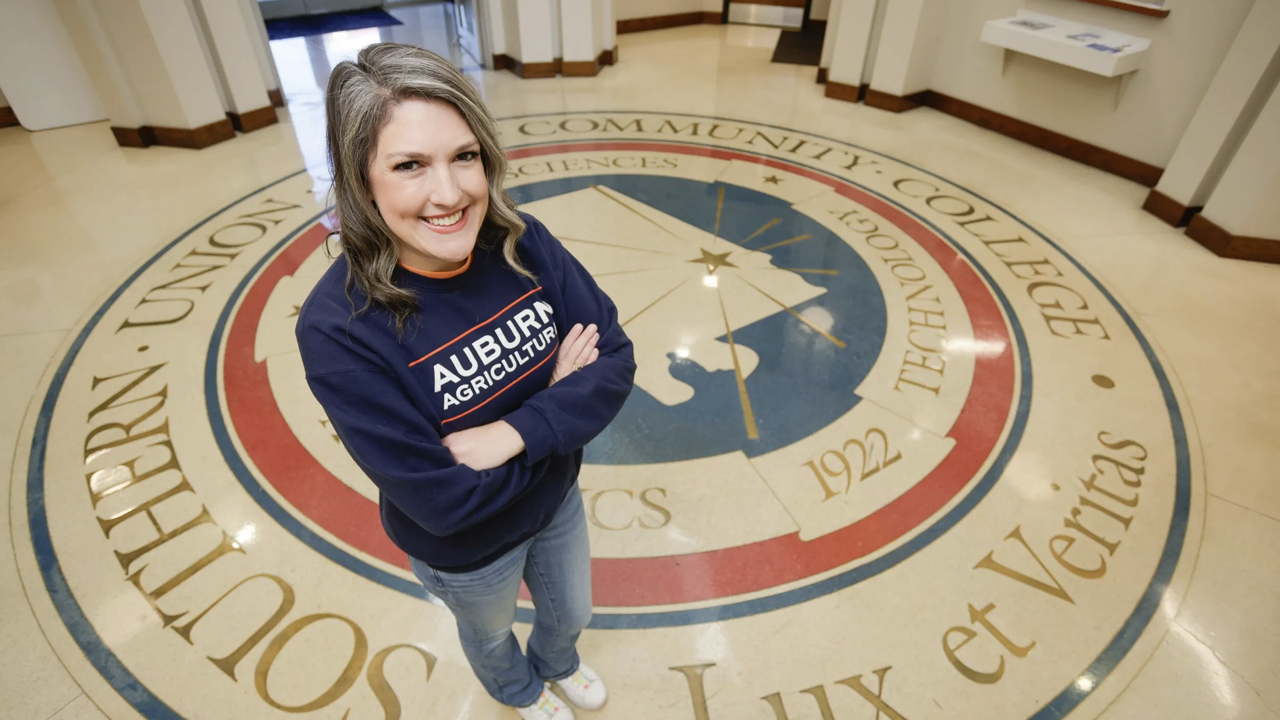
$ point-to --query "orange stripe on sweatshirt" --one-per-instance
(477, 327)
(508, 387)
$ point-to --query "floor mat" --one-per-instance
(329, 22)
(800, 47)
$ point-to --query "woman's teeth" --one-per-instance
(446, 220)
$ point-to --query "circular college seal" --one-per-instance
(889, 450)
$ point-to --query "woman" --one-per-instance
(434, 343)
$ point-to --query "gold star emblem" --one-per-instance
(772, 179)
(714, 261)
(296, 309)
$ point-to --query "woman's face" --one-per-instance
(429, 184)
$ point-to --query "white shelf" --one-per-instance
(1068, 43)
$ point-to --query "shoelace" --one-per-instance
(581, 680)
(547, 705)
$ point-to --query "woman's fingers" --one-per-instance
(584, 344)
(566, 353)
(595, 355)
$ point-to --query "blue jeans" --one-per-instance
(556, 565)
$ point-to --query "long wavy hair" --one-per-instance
(358, 103)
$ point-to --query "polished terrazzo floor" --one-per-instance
(878, 352)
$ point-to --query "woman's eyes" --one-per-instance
(411, 165)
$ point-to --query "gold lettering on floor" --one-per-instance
(1097, 521)
(147, 507)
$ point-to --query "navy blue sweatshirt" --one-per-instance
(481, 348)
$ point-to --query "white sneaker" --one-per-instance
(584, 688)
(546, 707)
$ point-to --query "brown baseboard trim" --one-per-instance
(894, 103)
(529, 71)
(822, 75)
(662, 22)
(1237, 247)
(254, 119)
(130, 137)
(195, 139)
(1169, 210)
(1153, 12)
(609, 57)
(8, 118)
(1057, 143)
(1045, 139)
(848, 93)
(276, 97)
(580, 68)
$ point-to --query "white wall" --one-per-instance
(1158, 104)
(46, 83)
(631, 9)
(3, 101)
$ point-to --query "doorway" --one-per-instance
(789, 14)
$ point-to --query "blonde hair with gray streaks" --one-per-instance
(358, 103)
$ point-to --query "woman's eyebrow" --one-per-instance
(414, 155)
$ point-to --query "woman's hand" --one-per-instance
(577, 351)
(485, 447)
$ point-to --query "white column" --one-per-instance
(158, 45)
(908, 47)
(1249, 71)
(493, 25)
(150, 69)
(234, 63)
(536, 30)
(262, 50)
(581, 36)
(608, 31)
(829, 37)
(1246, 202)
(577, 30)
(85, 26)
(849, 41)
(44, 79)
(531, 30)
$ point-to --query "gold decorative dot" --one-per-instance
(1104, 382)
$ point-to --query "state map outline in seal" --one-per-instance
(750, 264)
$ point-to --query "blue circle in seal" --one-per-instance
(793, 358)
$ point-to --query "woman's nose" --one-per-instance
(444, 191)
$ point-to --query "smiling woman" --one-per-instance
(408, 150)
(429, 186)
(471, 429)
